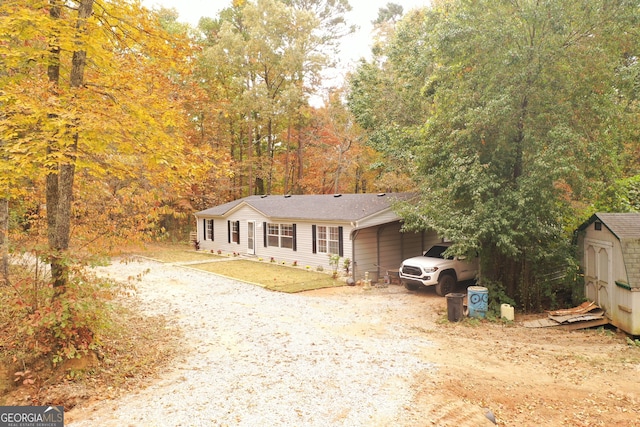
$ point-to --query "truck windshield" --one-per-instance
(435, 252)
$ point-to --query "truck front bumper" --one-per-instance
(429, 280)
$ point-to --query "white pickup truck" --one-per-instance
(433, 269)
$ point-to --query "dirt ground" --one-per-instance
(524, 376)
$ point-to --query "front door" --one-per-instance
(251, 232)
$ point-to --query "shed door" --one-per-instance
(598, 272)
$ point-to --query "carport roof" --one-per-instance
(326, 207)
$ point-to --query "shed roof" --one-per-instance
(324, 207)
(623, 225)
(626, 227)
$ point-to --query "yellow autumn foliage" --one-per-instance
(128, 114)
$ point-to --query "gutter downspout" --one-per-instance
(354, 234)
(354, 263)
(378, 233)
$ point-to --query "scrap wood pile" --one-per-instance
(586, 315)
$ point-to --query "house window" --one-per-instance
(209, 232)
(286, 236)
(328, 240)
(235, 232)
(598, 225)
(273, 235)
(280, 235)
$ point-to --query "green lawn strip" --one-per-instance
(177, 254)
(273, 277)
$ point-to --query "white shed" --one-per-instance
(610, 258)
(307, 228)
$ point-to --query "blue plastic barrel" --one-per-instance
(478, 301)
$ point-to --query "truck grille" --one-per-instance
(411, 271)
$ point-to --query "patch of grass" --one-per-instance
(271, 276)
(633, 343)
(472, 321)
(606, 331)
(176, 253)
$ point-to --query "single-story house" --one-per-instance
(609, 244)
(306, 229)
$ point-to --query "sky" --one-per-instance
(354, 47)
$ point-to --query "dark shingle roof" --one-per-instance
(326, 207)
(623, 225)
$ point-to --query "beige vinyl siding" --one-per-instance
(415, 244)
(412, 244)
(430, 238)
(304, 244)
(303, 254)
(365, 244)
(280, 255)
(220, 232)
(390, 247)
(625, 306)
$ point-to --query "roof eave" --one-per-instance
(358, 224)
(593, 218)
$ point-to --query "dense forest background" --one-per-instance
(513, 121)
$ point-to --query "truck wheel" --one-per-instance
(446, 284)
(410, 286)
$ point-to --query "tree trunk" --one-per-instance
(250, 158)
(53, 72)
(341, 150)
(286, 160)
(358, 177)
(4, 235)
(336, 180)
(300, 154)
(59, 183)
(271, 153)
(4, 241)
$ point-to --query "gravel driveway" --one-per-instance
(259, 358)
